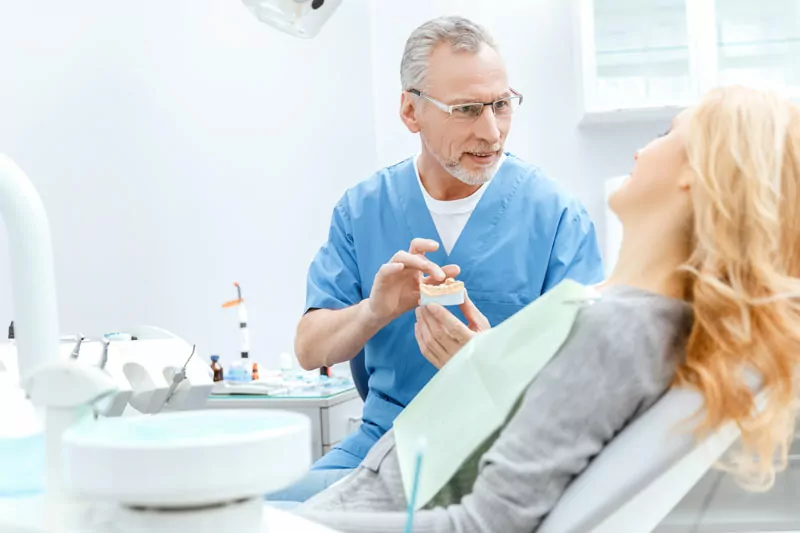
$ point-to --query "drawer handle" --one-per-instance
(353, 423)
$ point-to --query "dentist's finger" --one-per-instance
(450, 271)
(418, 262)
(422, 246)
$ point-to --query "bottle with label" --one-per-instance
(255, 371)
(241, 370)
(217, 368)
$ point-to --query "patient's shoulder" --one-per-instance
(632, 330)
(627, 314)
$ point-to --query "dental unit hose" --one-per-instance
(178, 378)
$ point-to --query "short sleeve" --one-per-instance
(576, 252)
(333, 278)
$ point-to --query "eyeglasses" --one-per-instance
(503, 107)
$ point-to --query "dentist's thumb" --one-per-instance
(477, 322)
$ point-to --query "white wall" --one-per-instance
(179, 146)
(539, 42)
(182, 145)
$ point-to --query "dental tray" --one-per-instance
(254, 388)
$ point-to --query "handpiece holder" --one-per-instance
(68, 391)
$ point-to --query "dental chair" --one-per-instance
(633, 484)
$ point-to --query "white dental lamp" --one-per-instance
(301, 18)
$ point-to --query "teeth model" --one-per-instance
(451, 292)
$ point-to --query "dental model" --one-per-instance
(451, 292)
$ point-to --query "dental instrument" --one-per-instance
(238, 303)
(412, 503)
(104, 357)
(76, 352)
(177, 379)
(118, 404)
(241, 370)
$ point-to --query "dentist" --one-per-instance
(461, 207)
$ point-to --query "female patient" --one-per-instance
(706, 286)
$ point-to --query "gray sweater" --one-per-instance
(619, 359)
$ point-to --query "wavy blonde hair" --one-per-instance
(743, 147)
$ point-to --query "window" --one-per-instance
(645, 58)
(642, 52)
(759, 42)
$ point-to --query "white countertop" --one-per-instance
(287, 402)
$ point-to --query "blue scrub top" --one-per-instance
(525, 236)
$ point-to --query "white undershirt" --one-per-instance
(450, 216)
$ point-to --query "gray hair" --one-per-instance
(462, 34)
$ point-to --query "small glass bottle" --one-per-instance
(255, 371)
(217, 368)
(241, 369)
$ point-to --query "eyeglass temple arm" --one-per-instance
(440, 105)
(444, 107)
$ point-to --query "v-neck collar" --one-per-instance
(481, 224)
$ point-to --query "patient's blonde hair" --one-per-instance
(743, 146)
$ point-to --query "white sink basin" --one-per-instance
(186, 459)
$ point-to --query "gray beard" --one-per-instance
(470, 178)
(463, 175)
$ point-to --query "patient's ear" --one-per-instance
(687, 178)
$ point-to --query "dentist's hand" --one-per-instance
(441, 335)
(396, 287)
